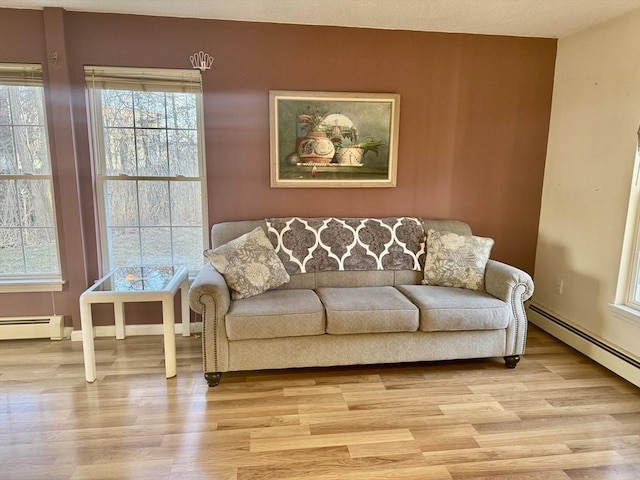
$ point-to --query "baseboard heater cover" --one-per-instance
(585, 336)
(20, 328)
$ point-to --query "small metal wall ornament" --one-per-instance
(201, 60)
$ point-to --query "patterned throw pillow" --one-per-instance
(249, 264)
(456, 260)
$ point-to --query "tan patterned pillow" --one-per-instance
(456, 260)
(249, 264)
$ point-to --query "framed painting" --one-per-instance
(325, 139)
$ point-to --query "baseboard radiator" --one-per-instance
(603, 353)
(15, 328)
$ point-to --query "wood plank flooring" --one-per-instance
(558, 416)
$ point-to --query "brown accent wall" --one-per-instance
(474, 115)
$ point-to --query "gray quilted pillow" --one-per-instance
(249, 264)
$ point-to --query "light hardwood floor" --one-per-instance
(557, 416)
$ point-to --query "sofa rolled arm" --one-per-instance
(504, 281)
(513, 286)
(209, 296)
(209, 282)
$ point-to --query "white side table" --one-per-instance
(136, 284)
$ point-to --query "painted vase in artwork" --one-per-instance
(316, 148)
(349, 155)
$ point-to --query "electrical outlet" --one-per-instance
(559, 286)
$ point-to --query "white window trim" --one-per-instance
(628, 314)
(100, 167)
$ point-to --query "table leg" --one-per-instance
(88, 348)
(118, 310)
(168, 322)
(184, 300)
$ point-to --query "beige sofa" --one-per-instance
(331, 316)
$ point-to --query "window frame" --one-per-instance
(30, 75)
(631, 301)
(100, 160)
(625, 305)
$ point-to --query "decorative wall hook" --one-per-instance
(201, 61)
(55, 61)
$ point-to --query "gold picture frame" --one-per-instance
(333, 139)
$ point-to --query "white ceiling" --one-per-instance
(527, 18)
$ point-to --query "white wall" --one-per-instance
(588, 174)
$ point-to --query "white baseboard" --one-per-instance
(134, 330)
(606, 355)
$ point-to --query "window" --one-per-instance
(149, 166)
(633, 292)
(28, 240)
(627, 300)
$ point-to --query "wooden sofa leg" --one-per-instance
(212, 378)
(511, 361)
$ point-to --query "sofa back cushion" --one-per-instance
(328, 243)
(224, 232)
(455, 226)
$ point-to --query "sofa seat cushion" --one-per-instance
(367, 310)
(453, 309)
(274, 314)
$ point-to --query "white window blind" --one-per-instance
(21, 75)
(146, 80)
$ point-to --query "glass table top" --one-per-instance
(125, 279)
